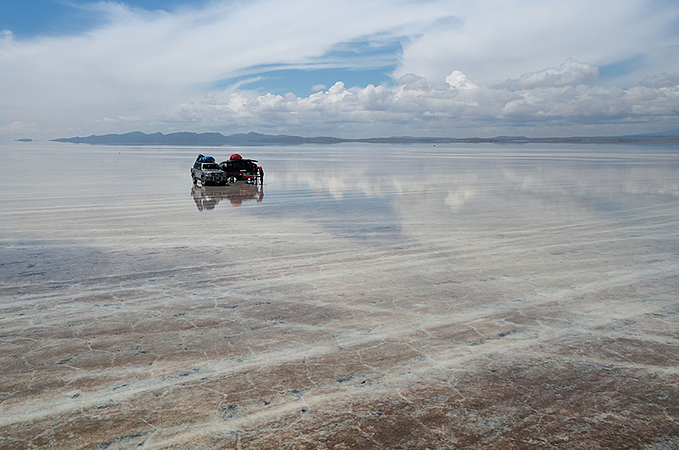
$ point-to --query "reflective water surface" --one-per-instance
(378, 296)
(207, 197)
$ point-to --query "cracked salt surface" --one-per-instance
(366, 297)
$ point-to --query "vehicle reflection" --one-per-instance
(207, 197)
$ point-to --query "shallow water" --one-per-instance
(460, 290)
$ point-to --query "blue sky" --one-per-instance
(351, 69)
(31, 18)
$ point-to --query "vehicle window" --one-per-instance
(210, 167)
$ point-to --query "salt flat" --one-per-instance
(389, 297)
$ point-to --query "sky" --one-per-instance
(356, 68)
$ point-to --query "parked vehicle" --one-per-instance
(207, 171)
(239, 169)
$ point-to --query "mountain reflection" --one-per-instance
(207, 197)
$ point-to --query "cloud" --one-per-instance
(137, 63)
(161, 70)
(662, 80)
(458, 80)
(318, 87)
(120, 119)
(17, 127)
(569, 73)
(454, 105)
(496, 40)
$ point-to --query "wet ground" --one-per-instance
(393, 297)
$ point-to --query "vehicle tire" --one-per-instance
(194, 180)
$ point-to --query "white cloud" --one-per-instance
(17, 127)
(662, 80)
(458, 80)
(151, 69)
(141, 62)
(120, 119)
(455, 105)
(318, 87)
(496, 40)
(569, 73)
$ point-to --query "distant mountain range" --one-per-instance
(202, 139)
(256, 139)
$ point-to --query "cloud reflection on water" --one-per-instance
(431, 191)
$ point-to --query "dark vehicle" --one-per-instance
(239, 169)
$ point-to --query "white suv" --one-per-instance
(207, 173)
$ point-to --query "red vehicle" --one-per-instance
(239, 169)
